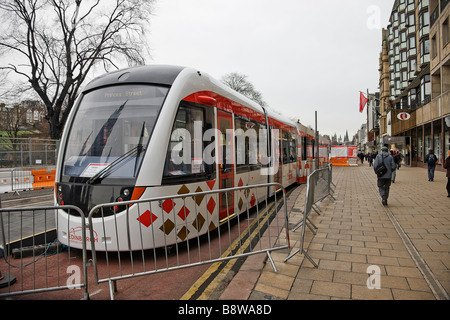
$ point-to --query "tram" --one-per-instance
(154, 131)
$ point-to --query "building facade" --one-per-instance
(415, 80)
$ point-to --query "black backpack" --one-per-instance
(381, 169)
(432, 159)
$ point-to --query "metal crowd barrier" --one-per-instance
(41, 264)
(319, 186)
(25, 235)
(128, 263)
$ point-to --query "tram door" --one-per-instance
(226, 167)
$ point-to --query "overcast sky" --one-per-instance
(303, 56)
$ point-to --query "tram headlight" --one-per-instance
(59, 196)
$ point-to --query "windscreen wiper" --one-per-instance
(115, 164)
(140, 147)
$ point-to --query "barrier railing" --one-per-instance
(24, 235)
(20, 179)
(201, 249)
(319, 186)
(41, 264)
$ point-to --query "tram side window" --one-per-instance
(292, 148)
(246, 144)
(184, 159)
(304, 148)
(288, 148)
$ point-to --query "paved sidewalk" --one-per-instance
(409, 241)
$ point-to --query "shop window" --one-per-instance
(437, 129)
(427, 138)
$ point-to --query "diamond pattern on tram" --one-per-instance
(147, 218)
(200, 220)
(240, 204)
(183, 233)
(167, 227)
(212, 226)
(211, 205)
(253, 200)
(211, 184)
(198, 199)
(183, 213)
(183, 190)
(168, 205)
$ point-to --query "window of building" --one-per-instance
(411, 20)
(437, 128)
(425, 88)
(412, 65)
(427, 138)
(414, 144)
(424, 19)
(404, 76)
(403, 36)
(425, 47)
(446, 135)
(412, 98)
(420, 144)
(433, 46)
(445, 32)
(412, 43)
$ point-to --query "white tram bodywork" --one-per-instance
(125, 152)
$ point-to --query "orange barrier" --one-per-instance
(43, 178)
(340, 162)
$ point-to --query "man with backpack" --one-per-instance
(431, 160)
(383, 166)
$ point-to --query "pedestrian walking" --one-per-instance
(384, 179)
(447, 166)
(361, 157)
(370, 159)
(431, 160)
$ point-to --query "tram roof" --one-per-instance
(155, 74)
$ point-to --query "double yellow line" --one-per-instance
(220, 275)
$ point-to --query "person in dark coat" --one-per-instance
(431, 160)
(384, 182)
(447, 166)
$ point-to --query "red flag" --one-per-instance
(362, 101)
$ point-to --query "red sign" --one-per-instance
(403, 116)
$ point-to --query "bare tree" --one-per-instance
(238, 82)
(13, 117)
(53, 44)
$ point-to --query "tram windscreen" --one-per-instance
(110, 132)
